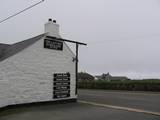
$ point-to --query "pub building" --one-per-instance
(39, 69)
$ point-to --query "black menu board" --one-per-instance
(61, 87)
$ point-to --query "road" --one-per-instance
(85, 111)
(72, 111)
(139, 100)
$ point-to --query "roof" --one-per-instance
(3, 47)
(108, 76)
(7, 51)
(85, 76)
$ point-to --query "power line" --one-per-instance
(21, 11)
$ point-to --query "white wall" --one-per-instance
(28, 76)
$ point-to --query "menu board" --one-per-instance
(61, 87)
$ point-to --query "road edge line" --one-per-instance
(120, 108)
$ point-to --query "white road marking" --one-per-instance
(120, 108)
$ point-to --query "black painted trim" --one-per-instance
(60, 39)
(34, 104)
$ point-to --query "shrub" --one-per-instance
(132, 85)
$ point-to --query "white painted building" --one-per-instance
(37, 69)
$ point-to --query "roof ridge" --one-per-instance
(19, 46)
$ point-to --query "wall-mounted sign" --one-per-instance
(61, 88)
(61, 83)
(53, 44)
(62, 75)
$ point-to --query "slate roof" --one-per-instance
(7, 51)
(110, 77)
(3, 47)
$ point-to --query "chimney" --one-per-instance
(52, 28)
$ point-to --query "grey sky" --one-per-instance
(123, 36)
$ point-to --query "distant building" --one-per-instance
(109, 77)
(83, 76)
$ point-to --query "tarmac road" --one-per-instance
(86, 111)
(138, 100)
(72, 111)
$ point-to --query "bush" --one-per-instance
(132, 85)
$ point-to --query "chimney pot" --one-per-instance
(54, 21)
(49, 19)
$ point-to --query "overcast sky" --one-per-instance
(123, 36)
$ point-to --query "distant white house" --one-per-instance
(38, 69)
(109, 77)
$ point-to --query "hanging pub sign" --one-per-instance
(53, 44)
(61, 86)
